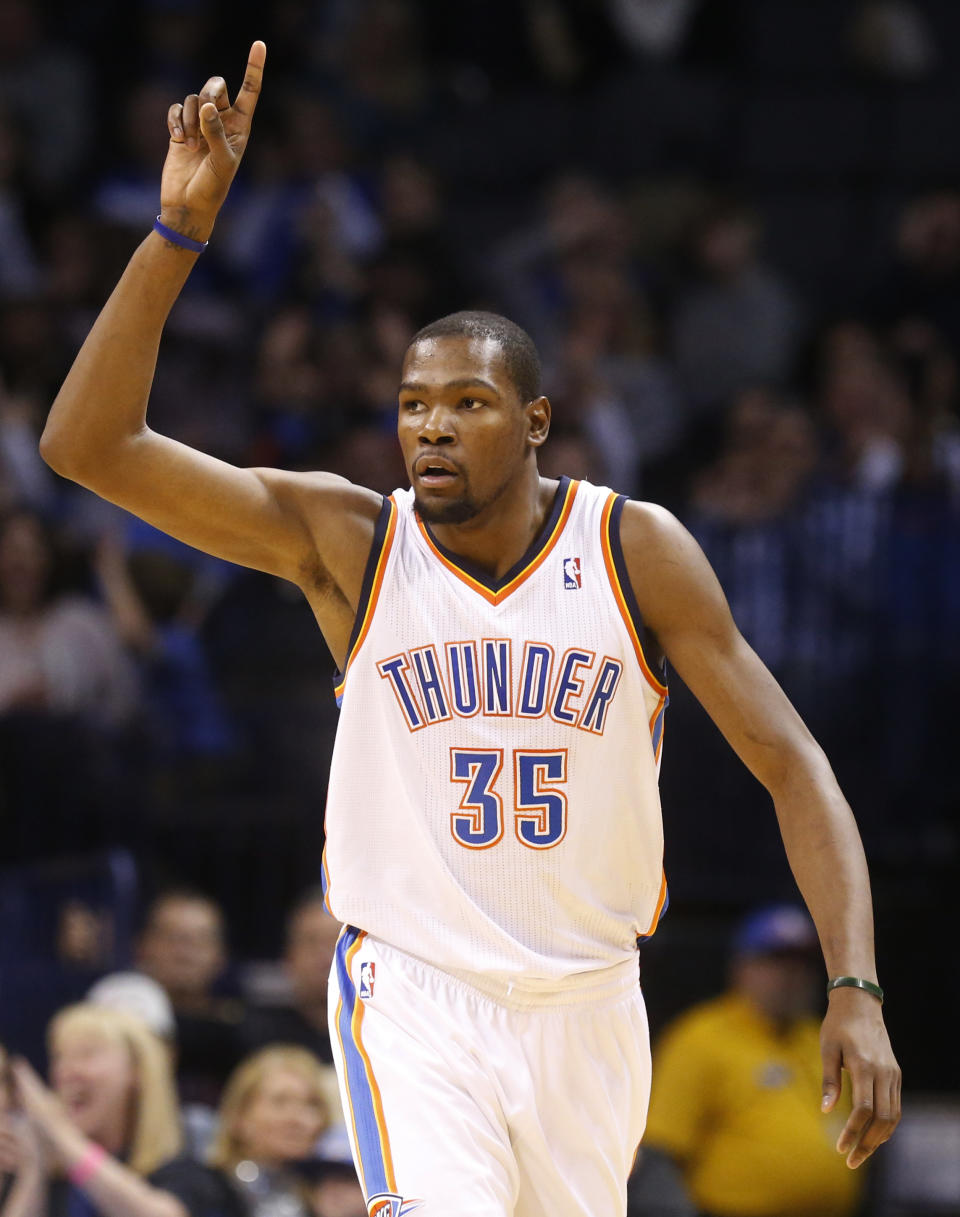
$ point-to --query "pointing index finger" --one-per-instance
(246, 99)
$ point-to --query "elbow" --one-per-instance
(796, 769)
(54, 452)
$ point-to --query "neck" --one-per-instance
(498, 536)
(779, 1020)
(116, 1134)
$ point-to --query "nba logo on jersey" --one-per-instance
(367, 977)
(571, 573)
(390, 1206)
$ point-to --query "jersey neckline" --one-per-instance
(496, 590)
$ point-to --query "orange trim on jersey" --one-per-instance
(355, 1022)
(657, 685)
(533, 565)
(324, 872)
(370, 607)
(659, 748)
(659, 909)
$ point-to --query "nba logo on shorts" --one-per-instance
(571, 573)
(367, 977)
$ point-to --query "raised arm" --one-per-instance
(682, 603)
(314, 529)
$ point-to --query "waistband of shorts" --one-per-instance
(580, 988)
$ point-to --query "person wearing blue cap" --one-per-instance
(736, 1084)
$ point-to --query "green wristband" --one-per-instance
(856, 982)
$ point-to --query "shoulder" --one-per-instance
(648, 532)
(75, 616)
(698, 1026)
(673, 582)
(203, 1190)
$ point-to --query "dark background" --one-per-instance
(739, 253)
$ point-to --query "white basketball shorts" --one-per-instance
(465, 1100)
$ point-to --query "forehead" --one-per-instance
(184, 911)
(284, 1079)
(312, 922)
(438, 361)
(84, 1038)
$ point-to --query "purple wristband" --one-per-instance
(177, 238)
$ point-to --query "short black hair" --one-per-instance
(519, 351)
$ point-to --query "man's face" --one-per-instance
(182, 947)
(310, 947)
(783, 984)
(462, 426)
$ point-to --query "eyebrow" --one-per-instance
(465, 382)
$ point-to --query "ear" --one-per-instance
(538, 421)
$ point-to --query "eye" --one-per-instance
(410, 407)
(472, 403)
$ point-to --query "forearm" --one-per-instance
(114, 1189)
(27, 1196)
(103, 401)
(826, 856)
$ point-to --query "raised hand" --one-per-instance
(208, 136)
(20, 1147)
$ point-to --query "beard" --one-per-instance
(454, 511)
(466, 506)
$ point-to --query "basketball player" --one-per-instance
(494, 842)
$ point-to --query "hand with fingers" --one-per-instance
(854, 1038)
(208, 136)
(21, 1149)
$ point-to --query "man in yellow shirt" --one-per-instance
(737, 1086)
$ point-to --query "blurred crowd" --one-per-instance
(168, 1099)
(182, 1088)
(756, 326)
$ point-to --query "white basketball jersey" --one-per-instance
(493, 805)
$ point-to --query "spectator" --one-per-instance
(152, 597)
(19, 271)
(311, 940)
(105, 1141)
(769, 455)
(58, 653)
(23, 479)
(57, 141)
(893, 39)
(183, 948)
(865, 404)
(274, 1109)
(136, 994)
(922, 281)
(737, 1085)
(735, 322)
(335, 1192)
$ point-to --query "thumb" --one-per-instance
(832, 1059)
(211, 126)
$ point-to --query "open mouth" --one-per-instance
(433, 472)
(76, 1103)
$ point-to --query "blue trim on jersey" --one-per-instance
(358, 1086)
(620, 565)
(366, 588)
(484, 577)
(658, 725)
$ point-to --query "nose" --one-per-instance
(436, 426)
